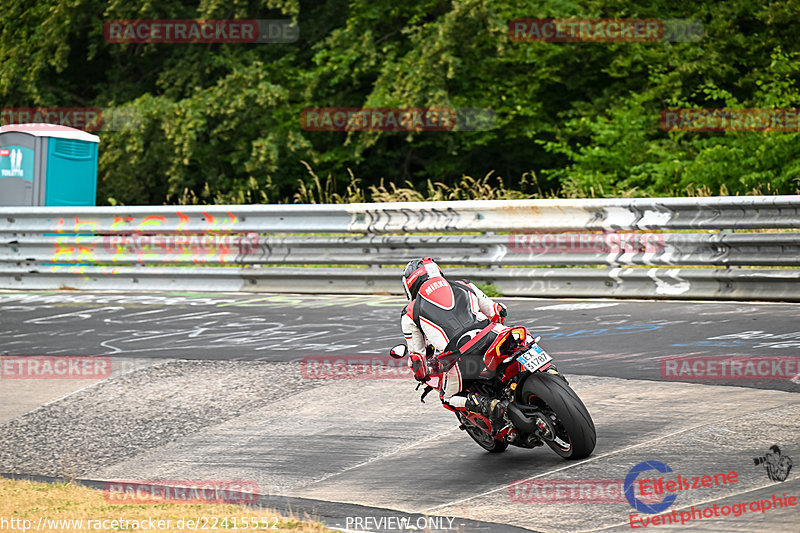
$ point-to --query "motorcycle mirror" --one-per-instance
(399, 351)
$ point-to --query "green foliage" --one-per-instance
(468, 188)
(220, 123)
(490, 290)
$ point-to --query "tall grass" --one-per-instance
(315, 190)
(489, 187)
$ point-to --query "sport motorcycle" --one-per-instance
(542, 408)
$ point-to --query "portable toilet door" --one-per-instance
(47, 164)
(18, 183)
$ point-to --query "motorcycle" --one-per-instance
(542, 407)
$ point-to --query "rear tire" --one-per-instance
(576, 435)
(483, 439)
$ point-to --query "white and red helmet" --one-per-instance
(417, 272)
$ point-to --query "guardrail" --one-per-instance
(623, 246)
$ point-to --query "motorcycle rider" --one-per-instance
(453, 317)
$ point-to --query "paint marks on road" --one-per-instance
(576, 306)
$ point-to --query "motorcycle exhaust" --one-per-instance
(521, 421)
(539, 425)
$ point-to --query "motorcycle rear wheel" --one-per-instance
(575, 435)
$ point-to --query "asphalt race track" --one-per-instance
(252, 387)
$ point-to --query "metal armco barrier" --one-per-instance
(625, 246)
(517, 249)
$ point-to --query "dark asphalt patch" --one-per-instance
(617, 338)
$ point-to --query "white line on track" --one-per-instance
(573, 465)
(129, 371)
(399, 449)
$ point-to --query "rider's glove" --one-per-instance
(500, 313)
(419, 364)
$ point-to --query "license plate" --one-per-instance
(534, 359)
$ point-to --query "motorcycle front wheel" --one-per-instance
(483, 439)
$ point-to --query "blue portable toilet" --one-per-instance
(47, 164)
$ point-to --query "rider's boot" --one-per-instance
(492, 409)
